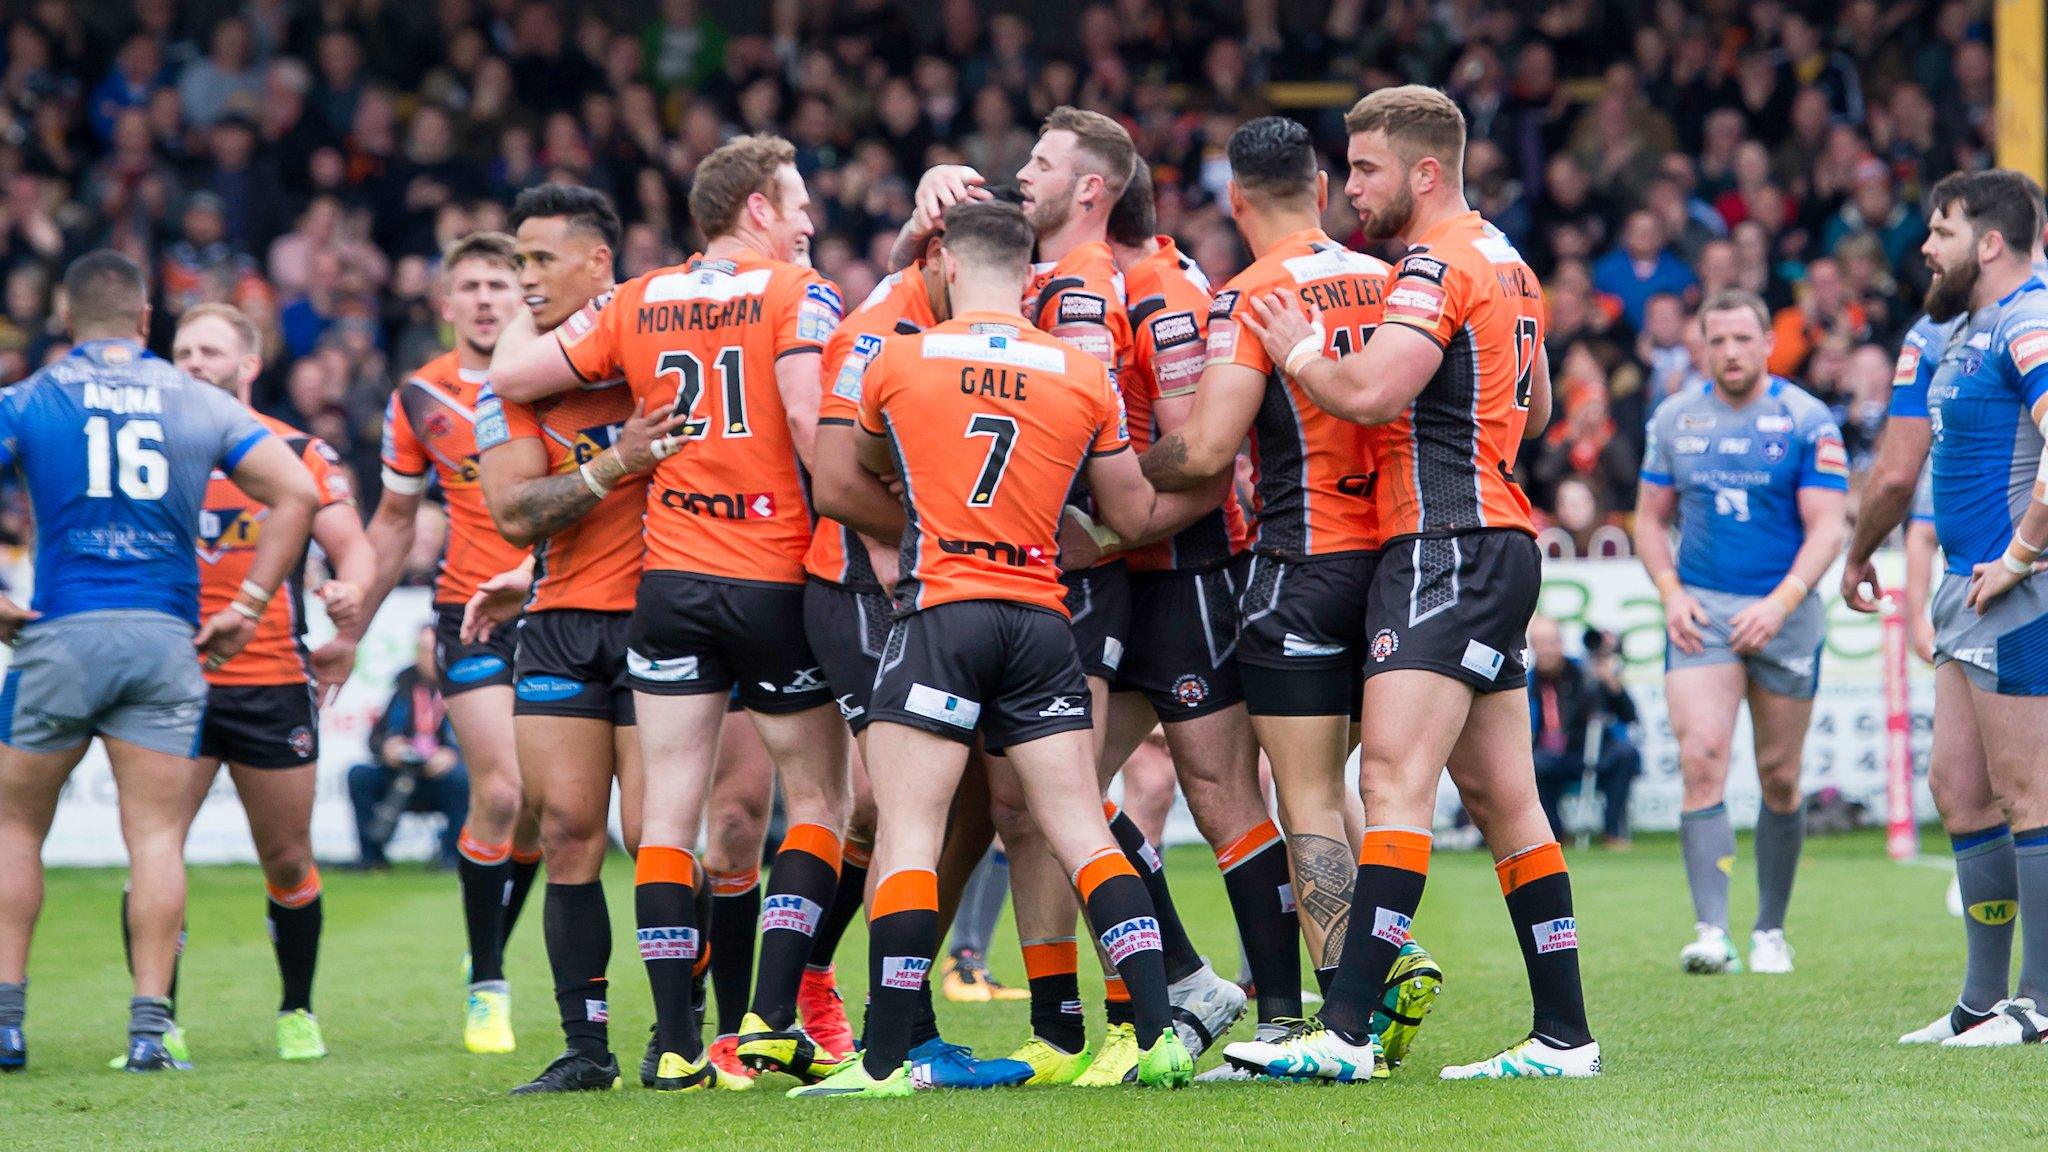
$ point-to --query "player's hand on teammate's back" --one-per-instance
(227, 633)
(12, 617)
(344, 602)
(497, 601)
(1856, 576)
(636, 439)
(1755, 626)
(1682, 619)
(1990, 581)
(1078, 548)
(333, 662)
(1279, 324)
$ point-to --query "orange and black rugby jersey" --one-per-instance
(703, 337)
(1447, 464)
(430, 422)
(989, 422)
(229, 528)
(1313, 471)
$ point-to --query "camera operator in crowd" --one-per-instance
(1568, 699)
(418, 767)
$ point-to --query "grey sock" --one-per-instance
(149, 1016)
(1779, 836)
(13, 1004)
(2030, 851)
(1988, 873)
(981, 903)
(1708, 841)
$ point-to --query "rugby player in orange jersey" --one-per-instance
(988, 421)
(1180, 667)
(1451, 383)
(567, 477)
(262, 709)
(731, 340)
(1303, 602)
(429, 428)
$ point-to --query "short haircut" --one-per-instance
(495, 247)
(1995, 200)
(1102, 140)
(1419, 121)
(987, 234)
(233, 317)
(105, 289)
(739, 168)
(1734, 300)
(1273, 158)
(1135, 219)
(580, 207)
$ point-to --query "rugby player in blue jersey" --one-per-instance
(115, 447)
(1752, 468)
(1982, 405)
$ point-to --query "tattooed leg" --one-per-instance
(1307, 754)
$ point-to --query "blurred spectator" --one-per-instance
(1641, 267)
(418, 766)
(1569, 701)
(224, 80)
(1826, 315)
(1584, 444)
(1872, 209)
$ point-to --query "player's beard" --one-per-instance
(1949, 295)
(1387, 224)
(1049, 216)
(1744, 386)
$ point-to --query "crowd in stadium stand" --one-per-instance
(306, 159)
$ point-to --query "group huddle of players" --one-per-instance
(954, 553)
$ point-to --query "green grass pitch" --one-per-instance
(1748, 1062)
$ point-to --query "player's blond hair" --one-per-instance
(1419, 122)
(725, 179)
(496, 247)
(236, 319)
(1102, 140)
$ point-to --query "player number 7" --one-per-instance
(1002, 434)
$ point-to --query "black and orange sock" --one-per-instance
(576, 925)
(1116, 1002)
(1182, 961)
(295, 918)
(525, 866)
(1539, 896)
(802, 884)
(846, 902)
(665, 910)
(485, 872)
(735, 903)
(1255, 878)
(1052, 967)
(1393, 865)
(1120, 914)
(903, 936)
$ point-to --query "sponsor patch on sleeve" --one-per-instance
(1082, 308)
(819, 313)
(1908, 366)
(1417, 300)
(491, 429)
(576, 327)
(1420, 266)
(2029, 350)
(1173, 329)
(848, 384)
(1830, 457)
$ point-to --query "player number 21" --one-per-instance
(1002, 434)
(731, 364)
(144, 472)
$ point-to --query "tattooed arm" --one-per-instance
(528, 503)
(1205, 445)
